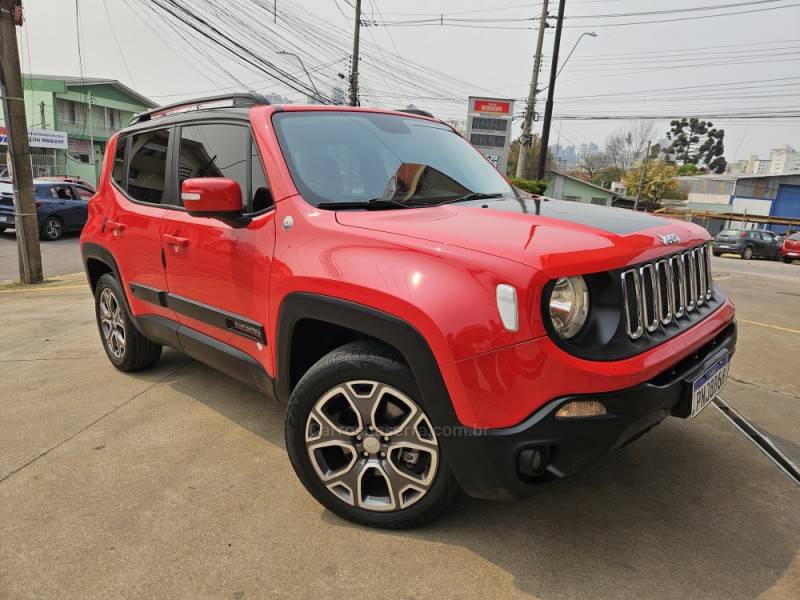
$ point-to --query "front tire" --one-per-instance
(747, 253)
(361, 442)
(787, 260)
(52, 229)
(126, 348)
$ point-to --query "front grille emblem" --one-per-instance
(670, 239)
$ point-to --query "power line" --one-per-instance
(116, 41)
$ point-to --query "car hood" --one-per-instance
(556, 236)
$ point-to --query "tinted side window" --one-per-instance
(61, 192)
(118, 172)
(147, 166)
(215, 150)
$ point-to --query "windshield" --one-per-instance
(730, 233)
(346, 157)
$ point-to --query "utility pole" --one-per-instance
(526, 139)
(641, 178)
(30, 257)
(42, 116)
(354, 63)
(551, 91)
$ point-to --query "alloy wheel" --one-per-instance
(52, 229)
(372, 446)
(112, 323)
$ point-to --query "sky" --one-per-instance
(730, 65)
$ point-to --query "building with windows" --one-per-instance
(70, 119)
(783, 159)
(566, 187)
(759, 195)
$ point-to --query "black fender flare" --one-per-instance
(462, 445)
(399, 334)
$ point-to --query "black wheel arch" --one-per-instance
(371, 323)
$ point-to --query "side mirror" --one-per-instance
(212, 197)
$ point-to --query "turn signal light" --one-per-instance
(580, 409)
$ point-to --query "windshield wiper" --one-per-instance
(374, 204)
(472, 196)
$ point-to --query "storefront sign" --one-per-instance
(40, 138)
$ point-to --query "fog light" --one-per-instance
(579, 409)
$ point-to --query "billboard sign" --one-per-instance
(40, 138)
(489, 128)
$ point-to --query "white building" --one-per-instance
(783, 159)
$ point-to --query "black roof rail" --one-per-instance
(416, 111)
(237, 100)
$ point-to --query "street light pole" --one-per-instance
(302, 64)
(527, 123)
(566, 60)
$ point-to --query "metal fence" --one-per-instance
(47, 165)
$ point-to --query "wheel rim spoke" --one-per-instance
(372, 446)
(112, 325)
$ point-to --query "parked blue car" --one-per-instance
(60, 207)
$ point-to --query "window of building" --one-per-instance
(572, 198)
(147, 166)
(599, 201)
(223, 150)
(73, 118)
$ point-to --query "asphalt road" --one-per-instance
(174, 483)
(58, 258)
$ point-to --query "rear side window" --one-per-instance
(118, 172)
(795, 237)
(148, 165)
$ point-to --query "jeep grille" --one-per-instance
(663, 291)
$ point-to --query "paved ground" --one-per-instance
(174, 483)
(58, 258)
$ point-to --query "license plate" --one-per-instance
(706, 387)
(5, 219)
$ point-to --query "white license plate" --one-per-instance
(5, 219)
(706, 387)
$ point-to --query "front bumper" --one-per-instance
(486, 463)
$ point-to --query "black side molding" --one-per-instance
(202, 312)
(218, 355)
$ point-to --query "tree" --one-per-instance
(660, 181)
(697, 142)
(627, 145)
(607, 175)
(592, 162)
(531, 159)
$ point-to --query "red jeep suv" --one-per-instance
(429, 328)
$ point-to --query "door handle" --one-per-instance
(178, 242)
(115, 228)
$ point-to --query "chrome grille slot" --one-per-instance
(700, 272)
(632, 292)
(649, 297)
(690, 283)
(678, 289)
(665, 295)
(664, 291)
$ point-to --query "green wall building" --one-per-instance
(70, 120)
(566, 187)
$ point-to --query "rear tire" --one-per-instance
(788, 261)
(361, 443)
(126, 348)
(747, 253)
(52, 229)
(717, 254)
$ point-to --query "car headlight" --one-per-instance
(569, 306)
